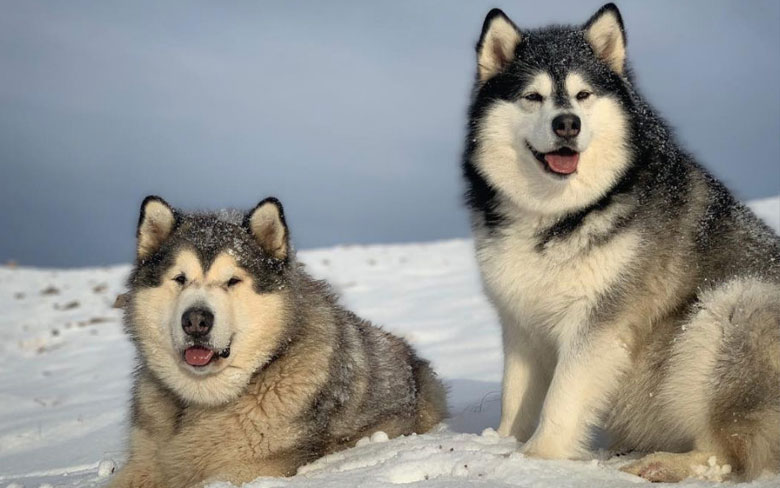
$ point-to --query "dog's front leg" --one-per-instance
(140, 472)
(588, 371)
(528, 365)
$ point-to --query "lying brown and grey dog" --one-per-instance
(248, 366)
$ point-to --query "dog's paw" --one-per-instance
(549, 450)
(655, 471)
(667, 467)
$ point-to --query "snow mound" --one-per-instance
(445, 459)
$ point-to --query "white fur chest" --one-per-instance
(550, 290)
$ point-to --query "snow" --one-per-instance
(66, 373)
(769, 210)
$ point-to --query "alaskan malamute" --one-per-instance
(634, 291)
(247, 365)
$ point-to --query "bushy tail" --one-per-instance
(746, 400)
(431, 397)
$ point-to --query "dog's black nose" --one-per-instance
(566, 125)
(197, 321)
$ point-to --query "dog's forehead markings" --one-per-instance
(541, 82)
(575, 82)
(223, 267)
(188, 262)
(210, 235)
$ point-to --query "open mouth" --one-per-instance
(561, 162)
(200, 356)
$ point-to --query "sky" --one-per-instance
(352, 113)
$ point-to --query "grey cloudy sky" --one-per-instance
(352, 113)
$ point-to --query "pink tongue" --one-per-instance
(198, 356)
(562, 164)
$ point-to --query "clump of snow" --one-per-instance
(378, 436)
(712, 471)
(105, 468)
(66, 373)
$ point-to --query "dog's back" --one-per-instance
(375, 380)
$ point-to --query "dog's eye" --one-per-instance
(583, 95)
(233, 281)
(181, 279)
(533, 97)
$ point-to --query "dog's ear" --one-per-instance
(604, 31)
(496, 46)
(267, 225)
(155, 224)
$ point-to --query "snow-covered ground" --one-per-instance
(65, 375)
